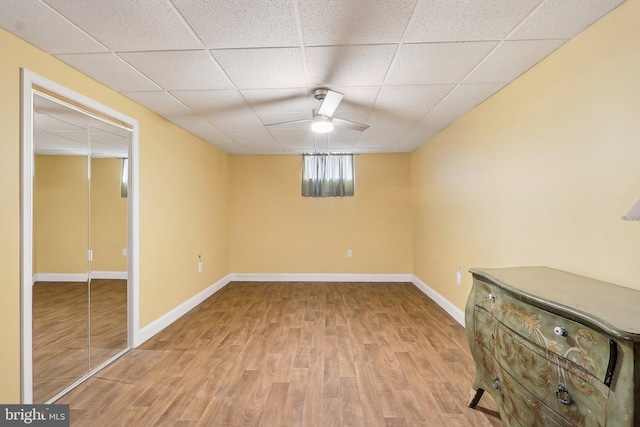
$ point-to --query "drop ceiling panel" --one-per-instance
(26, 18)
(242, 23)
(201, 128)
(263, 68)
(286, 120)
(227, 120)
(364, 65)
(356, 98)
(280, 100)
(436, 63)
(129, 25)
(263, 147)
(221, 69)
(511, 59)
(179, 70)
(466, 20)
(293, 137)
(563, 19)
(161, 102)
(414, 99)
(213, 101)
(461, 100)
(246, 137)
(383, 137)
(109, 70)
(354, 21)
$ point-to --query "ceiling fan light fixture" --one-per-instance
(321, 124)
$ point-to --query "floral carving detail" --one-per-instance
(521, 353)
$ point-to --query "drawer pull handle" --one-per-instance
(563, 395)
(496, 382)
(492, 298)
(560, 331)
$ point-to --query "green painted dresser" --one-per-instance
(553, 348)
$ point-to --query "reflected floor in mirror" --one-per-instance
(60, 331)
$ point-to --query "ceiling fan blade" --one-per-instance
(288, 122)
(330, 103)
(349, 124)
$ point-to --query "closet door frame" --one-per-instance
(30, 80)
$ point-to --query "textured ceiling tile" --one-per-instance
(356, 98)
(364, 65)
(413, 99)
(160, 102)
(283, 118)
(228, 120)
(179, 70)
(405, 120)
(200, 128)
(354, 21)
(263, 68)
(466, 20)
(110, 70)
(45, 29)
(280, 100)
(511, 59)
(383, 137)
(242, 23)
(213, 101)
(262, 147)
(292, 138)
(129, 25)
(248, 136)
(563, 19)
(436, 63)
(459, 102)
(231, 147)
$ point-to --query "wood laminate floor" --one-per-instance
(294, 354)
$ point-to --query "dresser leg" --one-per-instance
(474, 397)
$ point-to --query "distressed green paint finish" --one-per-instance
(515, 321)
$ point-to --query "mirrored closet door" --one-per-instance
(80, 235)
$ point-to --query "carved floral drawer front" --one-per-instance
(554, 348)
(559, 384)
(565, 338)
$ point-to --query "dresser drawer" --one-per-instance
(587, 349)
(560, 385)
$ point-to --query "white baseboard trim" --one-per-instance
(318, 277)
(78, 277)
(117, 275)
(448, 306)
(60, 277)
(168, 318)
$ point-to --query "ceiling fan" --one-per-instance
(323, 120)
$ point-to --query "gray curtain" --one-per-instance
(327, 175)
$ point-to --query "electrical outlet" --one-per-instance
(459, 275)
(349, 253)
(199, 263)
(124, 252)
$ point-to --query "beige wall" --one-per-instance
(108, 216)
(540, 173)
(276, 230)
(60, 215)
(183, 203)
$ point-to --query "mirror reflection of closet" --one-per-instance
(79, 245)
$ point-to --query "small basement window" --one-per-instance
(328, 175)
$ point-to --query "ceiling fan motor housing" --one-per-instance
(320, 94)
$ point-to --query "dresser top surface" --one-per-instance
(614, 309)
